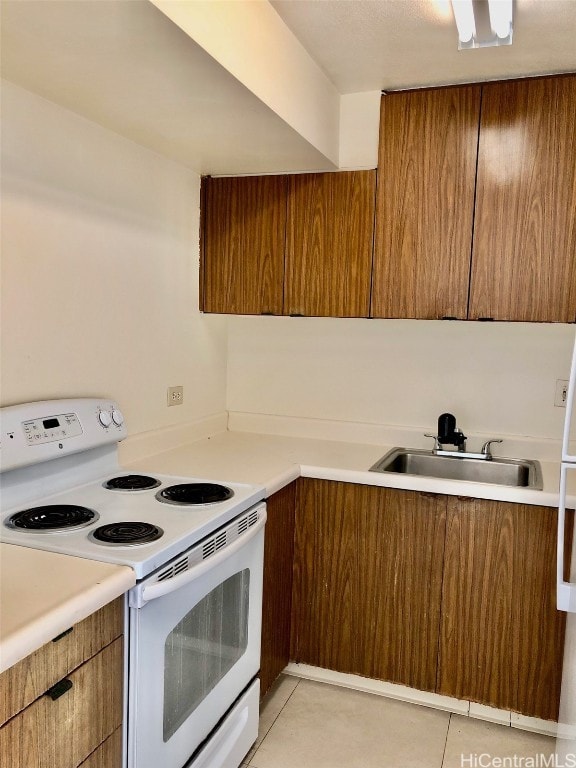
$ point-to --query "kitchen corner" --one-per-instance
(276, 460)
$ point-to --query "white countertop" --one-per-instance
(42, 594)
(274, 461)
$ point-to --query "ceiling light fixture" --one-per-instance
(483, 23)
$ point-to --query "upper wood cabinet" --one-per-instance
(474, 217)
(243, 233)
(319, 225)
(524, 256)
(329, 244)
(425, 203)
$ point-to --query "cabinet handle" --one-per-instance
(59, 689)
(62, 634)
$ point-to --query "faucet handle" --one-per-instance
(435, 438)
(486, 448)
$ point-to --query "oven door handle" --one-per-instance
(161, 588)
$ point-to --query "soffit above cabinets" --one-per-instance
(128, 67)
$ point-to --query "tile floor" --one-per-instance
(305, 724)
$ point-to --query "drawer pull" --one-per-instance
(59, 689)
(62, 634)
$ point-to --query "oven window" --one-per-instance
(203, 647)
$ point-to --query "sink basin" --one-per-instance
(519, 473)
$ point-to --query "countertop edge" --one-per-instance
(36, 633)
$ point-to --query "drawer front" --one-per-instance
(108, 754)
(30, 678)
(65, 731)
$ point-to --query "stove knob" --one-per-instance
(117, 417)
(105, 418)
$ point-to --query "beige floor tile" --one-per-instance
(271, 707)
(274, 702)
(469, 737)
(323, 726)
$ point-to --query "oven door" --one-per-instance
(194, 644)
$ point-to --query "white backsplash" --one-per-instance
(381, 380)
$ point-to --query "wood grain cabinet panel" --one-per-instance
(402, 547)
(25, 681)
(439, 593)
(524, 256)
(325, 609)
(367, 581)
(243, 234)
(329, 244)
(425, 203)
(65, 731)
(277, 599)
(476, 628)
(501, 637)
(108, 754)
(538, 627)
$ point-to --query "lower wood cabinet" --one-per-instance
(277, 598)
(367, 581)
(441, 593)
(476, 635)
(62, 706)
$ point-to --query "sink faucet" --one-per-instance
(450, 434)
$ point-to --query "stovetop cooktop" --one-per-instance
(170, 513)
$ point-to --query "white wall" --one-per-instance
(100, 270)
(497, 378)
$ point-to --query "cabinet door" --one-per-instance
(524, 257)
(367, 581)
(329, 244)
(476, 629)
(243, 232)
(425, 203)
(277, 599)
(326, 631)
(401, 544)
(538, 647)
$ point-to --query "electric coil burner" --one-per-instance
(131, 483)
(126, 534)
(194, 493)
(51, 518)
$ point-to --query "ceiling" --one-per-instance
(365, 45)
(248, 86)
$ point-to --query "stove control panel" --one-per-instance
(46, 430)
(31, 433)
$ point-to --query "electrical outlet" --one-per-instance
(561, 393)
(175, 395)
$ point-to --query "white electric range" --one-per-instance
(194, 617)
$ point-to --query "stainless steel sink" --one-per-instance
(519, 473)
